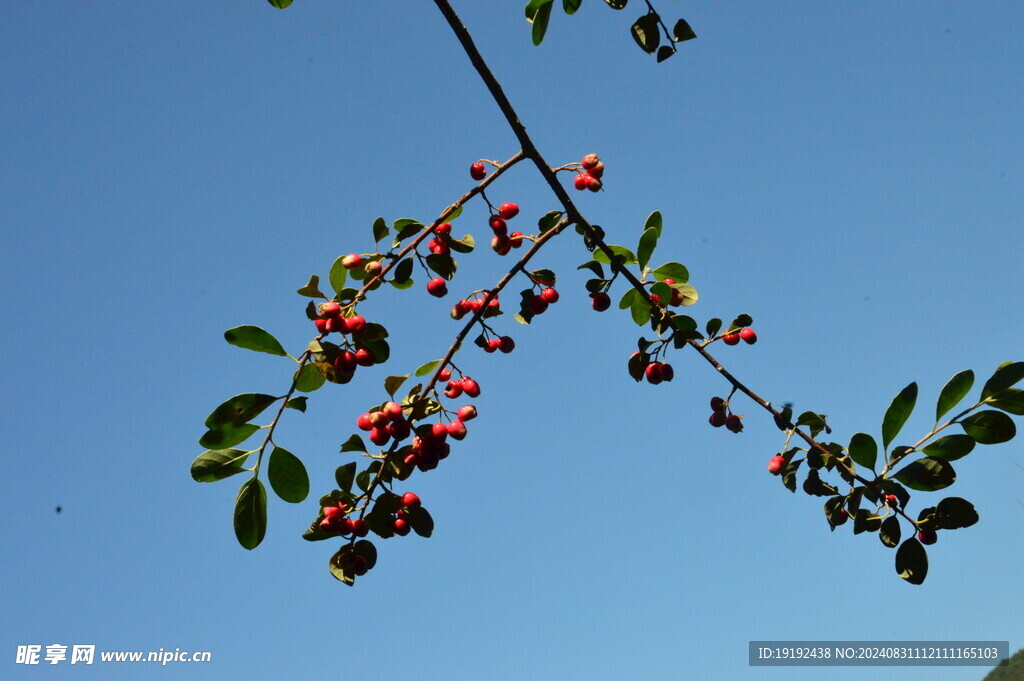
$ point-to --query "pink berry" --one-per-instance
(776, 464)
(364, 423)
(467, 413)
(437, 287)
(589, 161)
(748, 335)
(351, 261)
(580, 181)
(457, 429)
(508, 210)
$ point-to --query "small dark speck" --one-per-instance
(58, 509)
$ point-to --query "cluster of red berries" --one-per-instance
(438, 245)
(400, 524)
(721, 415)
(656, 372)
(745, 334)
(336, 521)
(591, 178)
(475, 305)
(539, 303)
(455, 388)
(504, 343)
(331, 320)
(503, 242)
(389, 422)
(430, 447)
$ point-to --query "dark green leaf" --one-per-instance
(403, 271)
(654, 221)
(912, 561)
(425, 369)
(312, 289)
(663, 291)
(227, 436)
(989, 427)
(345, 476)
(815, 486)
(298, 403)
(393, 383)
(954, 513)
(464, 245)
(334, 564)
(648, 242)
(927, 475)
(626, 256)
(254, 338)
(617, 4)
(640, 310)
(367, 550)
(338, 275)
(594, 267)
(280, 4)
(549, 220)
(637, 364)
(1010, 400)
(889, 532)
(682, 31)
(251, 514)
(287, 476)
(863, 521)
(898, 413)
(954, 391)
(674, 271)
(742, 321)
(217, 464)
(354, 444)
(239, 409)
(664, 52)
(864, 450)
(405, 228)
(309, 378)
(1006, 376)
(628, 298)
(544, 277)
(570, 6)
(421, 522)
(645, 33)
(444, 265)
(713, 327)
(789, 474)
(380, 229)
(540, 21)
(950, 447)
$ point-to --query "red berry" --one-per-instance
(549, 295)
(501, 244)
(508, 210)
(667, 372)
(439, 431)
(359, 566)
(336, 325)
(348, 358)
(731, 339)
(655, 298)
(477, 171)
(597, 171)
(748, 335)
(467, 413)
(538, 305)
(927, 536)
(457, 429)
(492, 345)
(330, 309)
(653, 372)
(516, 238)
(498, 225)
(891, 501)
(364, 358)
(364, 423)
(580, 181)
(776, 464)
(380, 436)
(373, 268)
(399, 429)
(734, 423)
(401, 527)
(359, 528)
(600, 301)
(437, 287)
(717, 404)
(460, 309)
(471, 387)
(378, 419)
(593, 184)
(843, 516)
(717, 419)
(410, 500)
(589, 161)
(453, 390)
(393, 410)
(444, 374)
(444, 228)
(321, 325)
(332, 511)
(356, 324)
(351, 261)
(506, 344)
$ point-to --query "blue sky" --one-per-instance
(848, 173)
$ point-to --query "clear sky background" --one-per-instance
(848, 173)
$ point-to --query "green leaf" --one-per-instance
(393, 383)
(227, 436)
(664, 52)
(594, 267)
(421, 522)
(380, 230)
(1006, 376)
(287, 476)
(927, 475)
(645, 32)
(674, 271)
(682, 31)
(898, 413)
(549, 220)
(544, 277)
(989, 427)
(663, 291)
(354, 444)
(628, 298)
(889, 532)
(425, 369)
(217, 464)
(464, 245)
(570, 6)
(912, 561)
(1010, 400)
(345, 476)
(334, 564)
(309, 378)
(864, 450)
(312, 289)
(367, 550)
(403, 271)
(689, 293)
(654, 222)
(815, 486)
(865, 522)
(954, 513)
(617, 4)
(627, 257)
(239, 409)
(713, 326)
(338, 275)
(637, 364)
(405, 228)
(540, 21)
(640, 310)
(954, 391)
(298, 403)
(280, 4)
(644, 249)
(742, 321)
(444, 265)
(251, 514)
(254, 338)
(950, 447)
